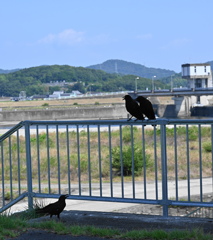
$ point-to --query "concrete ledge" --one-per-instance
(126, 221)
(102, 112)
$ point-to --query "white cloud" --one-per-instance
(67, 37)
(101, 39)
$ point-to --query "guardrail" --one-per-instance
(165, 162)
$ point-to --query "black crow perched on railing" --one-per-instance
(133, 108)
(54, 208)
(146, 107)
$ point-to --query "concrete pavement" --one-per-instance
(83, 205)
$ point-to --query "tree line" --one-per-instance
(34, 80)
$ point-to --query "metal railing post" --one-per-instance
(29, 166)
(165, 202)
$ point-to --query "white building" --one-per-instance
(199, 75)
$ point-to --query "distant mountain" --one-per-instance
(128, 68)
(2, 71)
(34, 80)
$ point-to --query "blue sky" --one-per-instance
(155, 33)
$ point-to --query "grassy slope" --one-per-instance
(14, 226)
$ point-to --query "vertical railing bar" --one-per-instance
(89, 160)
(2, 172)
(58, 160)
(176, 162)
(133, 162)
(29, 166)
(79, 159)
(18, 160)
(200, 162)
(188, 161)
(110, 160)
(121, 162)
(68, 159)
(11, 167)
(164, 170)
(212, 152)
(48, 158)
(156, 163)
(38, 156)
(99, 158)
(144, 161)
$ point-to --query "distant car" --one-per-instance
(16, 99)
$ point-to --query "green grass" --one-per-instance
(12, 226)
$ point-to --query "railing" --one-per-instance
(166, 162)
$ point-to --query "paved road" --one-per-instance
(82, 205)
(43, 235)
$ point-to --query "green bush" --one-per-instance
(127, 159)
(207, 147)
(127, 137)
(45, 105)
(42, 140)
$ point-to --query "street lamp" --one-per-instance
(171, 83)
(136, 84)
(153, 83)
(89, 86)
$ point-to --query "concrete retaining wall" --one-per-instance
(100, 112)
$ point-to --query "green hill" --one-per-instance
(110, 76)
(37, 80)
(125, 68)
(8, 71)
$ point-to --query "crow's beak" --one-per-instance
(66, 196)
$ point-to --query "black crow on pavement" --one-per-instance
(54, 208)
(133, 108)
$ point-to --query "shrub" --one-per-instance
(127, 159)
(207, 147)
(193, 133)
(127, 134)
(45, 105)
(42, 139)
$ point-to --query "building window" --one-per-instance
(206, 82)
(198, 83)
(195, 69)
(204, 68)
(198, 99)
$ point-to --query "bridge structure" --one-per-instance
(185, 99)
(173, 92)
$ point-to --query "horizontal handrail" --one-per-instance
(158, 121)
(14, 201)
(11, 131)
